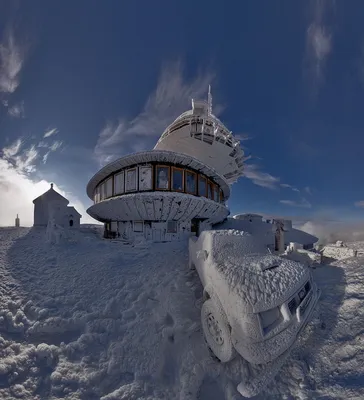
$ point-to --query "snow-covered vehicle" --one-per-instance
(254, 302)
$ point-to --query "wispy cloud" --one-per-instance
(287, 186)
(55, 145)
(307, 189)
(319, 41)
(24, 159)
(303, 203)
(18, 188)
(17, 110)
(264, 179)
(50, 132)
(260, 178)
(171, 97)
(359, 204)
(12, 55)
(12, 150)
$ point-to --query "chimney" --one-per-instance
(278, 227)
(17, 221)
(51, 185)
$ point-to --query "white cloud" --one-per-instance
(12, 56)
(287, 186)
(359, 204)
(303, 203)
(18, 189)
(252, 172)
(171, 97)
(50, 132)
(13, 149)
(45, 157)
(17, 110)
(307, 189)
(331, 231)
(55, 145)
(318, 41)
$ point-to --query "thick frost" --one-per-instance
(239, 257)
(92, 319)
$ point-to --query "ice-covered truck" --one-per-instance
(254, 302)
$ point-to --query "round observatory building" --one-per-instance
(173, 191)
(200, 134)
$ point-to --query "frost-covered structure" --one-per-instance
(268, 232)
(199, 133)
(52, 205)
(338, 251)
(177, 189)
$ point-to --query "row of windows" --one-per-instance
(158, 177)
(139, 226)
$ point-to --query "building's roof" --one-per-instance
(73, 210)
(157, 156)
(51, 195)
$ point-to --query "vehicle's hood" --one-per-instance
(265, 281)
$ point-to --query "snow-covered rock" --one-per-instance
(338, 251)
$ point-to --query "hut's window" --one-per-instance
(202, 186)
(190, 183)
(131, 180)
(138, 226)
(162, 177)
(172, 227)
(119, 183)
(177, 179)
(221, 196)
(108, 187)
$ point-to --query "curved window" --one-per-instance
(191, 182)
(155, 177)
(131, 180)
(119, 183)
(162, 177)
(177, 179)
(202, 186)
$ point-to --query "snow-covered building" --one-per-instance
(266, 228)
(177, 189)
(52, 205)
(159, 195)
(198, 133)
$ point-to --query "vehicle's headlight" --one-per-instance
(269, 319)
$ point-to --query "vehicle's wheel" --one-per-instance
(216, 330)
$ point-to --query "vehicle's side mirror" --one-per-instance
(202, 255)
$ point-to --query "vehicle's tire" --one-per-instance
(216, 330)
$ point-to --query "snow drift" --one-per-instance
(92, 319)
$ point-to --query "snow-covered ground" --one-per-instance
(94, 319)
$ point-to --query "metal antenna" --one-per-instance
(209, 101)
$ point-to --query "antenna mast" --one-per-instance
(209, 101)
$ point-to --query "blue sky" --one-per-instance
(82, 83)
